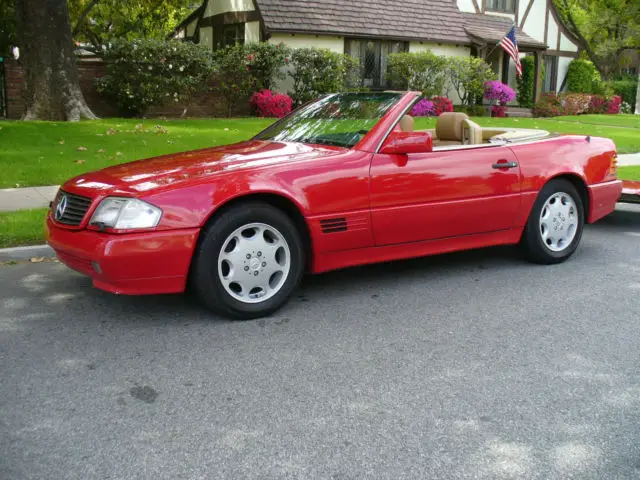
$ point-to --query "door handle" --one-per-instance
(505, 165)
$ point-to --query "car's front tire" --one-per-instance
(555, 225)
(248, 262)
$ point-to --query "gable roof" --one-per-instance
(436, 20)
(491, 29)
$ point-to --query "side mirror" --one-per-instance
(403, 143)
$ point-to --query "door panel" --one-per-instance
(443, 194)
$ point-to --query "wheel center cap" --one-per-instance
(254, 264)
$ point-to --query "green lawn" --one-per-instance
(22, 228)
(48, 153)
(629, 173)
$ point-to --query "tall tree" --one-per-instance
(605, 28)
(52, 91)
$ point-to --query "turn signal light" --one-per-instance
(613, 168)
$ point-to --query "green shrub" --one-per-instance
(266, 63)
(317, 71)
(467, 75)
(583, 77)
(626, 89)
(423, 71)
(145, 73)
(473, 110)
(526, 83)
(232, 77)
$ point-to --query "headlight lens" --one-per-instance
(126, 213)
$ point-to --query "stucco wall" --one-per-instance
(440, 49)
(552, 33)
(466, 6)
(206, 36)
(534, 26)
(216, 7)
(191, 28)
(252, 32)
(333, 43)
(566, 44)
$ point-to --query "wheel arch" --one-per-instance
(581, 186)
(276, 200)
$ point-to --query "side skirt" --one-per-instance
(348, 258)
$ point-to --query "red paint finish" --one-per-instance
(392, 205)
(443, 194)
(630, 192)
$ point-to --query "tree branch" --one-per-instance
(83, 17)
(576, 31)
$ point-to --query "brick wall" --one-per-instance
(204, 105)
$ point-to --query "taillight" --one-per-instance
(613, 167)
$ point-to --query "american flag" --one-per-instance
(510, 45)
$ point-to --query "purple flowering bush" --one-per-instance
(495, 90)
(424, 108)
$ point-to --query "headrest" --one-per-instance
(406, 123)
(449, 126)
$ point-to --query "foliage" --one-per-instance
(144, 73)
(266, 63)
(625, 108)
(424, 108)
(99, 22)
(626, 88)
(473, 110)
(232, 77)
(548, 106)
(8, 36)
(495, 90)
(526, 83)
(421, 71)
(582, 76)
(468, 76)
(442, 105)
(317, 71)
(600, 104)
(552, 105)
(575, 103)
(604, 28)
(271, 104)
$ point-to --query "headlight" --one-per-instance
(124, 213)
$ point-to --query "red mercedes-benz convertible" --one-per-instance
(345, 180)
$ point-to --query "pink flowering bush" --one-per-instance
(424, 108)
(442, 105)
(495, 90)
(613, 107)
(498, 111)
(271, 104)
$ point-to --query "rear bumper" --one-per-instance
(129, 264)
(630, 192)
(602, 199)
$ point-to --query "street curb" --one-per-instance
(25, 253)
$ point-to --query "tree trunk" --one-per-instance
(638, 96)
(52, 91)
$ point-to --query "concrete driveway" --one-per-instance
(472, 365)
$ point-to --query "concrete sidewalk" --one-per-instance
(13, 199)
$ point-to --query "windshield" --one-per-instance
(340, 119)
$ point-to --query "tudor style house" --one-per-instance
(372, 29)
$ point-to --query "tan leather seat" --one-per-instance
(471, 133)
(407, 124)
(449, 128)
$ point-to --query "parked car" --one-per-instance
(345, 180)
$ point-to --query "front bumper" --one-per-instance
(129, 264)
(602, 199)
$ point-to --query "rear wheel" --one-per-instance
(249, 262)
(555, 225)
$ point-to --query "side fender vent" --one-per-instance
(333, 225)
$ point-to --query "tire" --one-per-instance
(554, 238)
(248, 262)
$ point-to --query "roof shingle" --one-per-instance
(491, 28)
(435, 20)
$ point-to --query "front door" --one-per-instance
(373, 56)
(443, 194)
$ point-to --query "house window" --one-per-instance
(504, 6)
(550, 73)
(373, 56)
(231, 35)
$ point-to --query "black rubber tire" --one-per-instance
(204, 274)
(534, 248)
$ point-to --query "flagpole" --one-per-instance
(498, 42)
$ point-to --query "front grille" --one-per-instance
(74, 211)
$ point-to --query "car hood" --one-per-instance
(179, 168)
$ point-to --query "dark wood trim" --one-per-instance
(546, 24)
(517, 12)
(475, 6)
(526, 12)
(537, 85)
(484, 6)
(561, 53)
(506, 60)
(230, 18)
(561, 26)
(558, 39)
(264, 32)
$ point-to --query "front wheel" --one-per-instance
(249, 262)
(555, 225)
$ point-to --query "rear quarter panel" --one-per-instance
(586, 158)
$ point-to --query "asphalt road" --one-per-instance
(472, 365)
